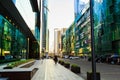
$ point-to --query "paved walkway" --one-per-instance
(48, 70)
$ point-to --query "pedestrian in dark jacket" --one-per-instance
(55, 59)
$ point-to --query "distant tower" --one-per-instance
(44, 24)
(57, 41)
(47, 41)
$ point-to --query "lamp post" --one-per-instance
(28, 40)
(92, 41)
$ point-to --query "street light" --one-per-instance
(28, 40)
(92, 41)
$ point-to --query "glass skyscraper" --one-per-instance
(44, 24)
(78, 7)
(10, 38)
(16, 39)
(107, 26)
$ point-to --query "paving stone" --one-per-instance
(48, 70)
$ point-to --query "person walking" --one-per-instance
(55, 59)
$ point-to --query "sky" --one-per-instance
(60, 15)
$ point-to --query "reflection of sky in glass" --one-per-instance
(79, 6)
(99, 10)
(25, 10)
(14, 1)
(45, 6)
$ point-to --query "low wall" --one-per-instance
(19, 73)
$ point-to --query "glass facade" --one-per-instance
(81, 25)
(37, 26)
(37, 34)
(82, 33)
(12, 41)
(14, 1)
(68, 42)
(78, 7)
(107, 26)
(44, 24)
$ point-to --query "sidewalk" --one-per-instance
(48, 70)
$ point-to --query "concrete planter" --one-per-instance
(75, 69)
(90, 76)
(67, 65)
(23, 72)
(61, 62)
(8, 67)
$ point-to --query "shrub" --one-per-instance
(61, 62)
(90, 75)
(75, 68)
(17, 63)
(67, 65)
(9, 66)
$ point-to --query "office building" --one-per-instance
(106, 26)
(44, 25)
(47, 42)
(57, 41)
(78, 7)
(16, 38)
